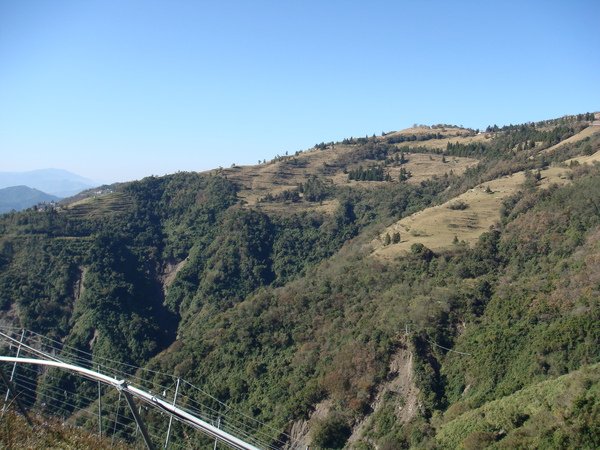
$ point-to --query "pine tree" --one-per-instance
(404, 174)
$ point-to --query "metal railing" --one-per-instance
(168, 399)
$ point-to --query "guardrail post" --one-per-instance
(218, 426)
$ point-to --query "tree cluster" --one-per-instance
(373, 173)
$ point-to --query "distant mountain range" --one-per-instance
(56, 182)
(22, 197)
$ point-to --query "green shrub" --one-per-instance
(458, 205)
(332, 432)
(478, 440)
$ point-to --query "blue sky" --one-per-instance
(117, 90)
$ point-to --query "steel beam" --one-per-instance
(140, 423)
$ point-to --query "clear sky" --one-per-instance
(117, 90)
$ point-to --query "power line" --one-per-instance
(448, 349)
(235, 421)
(144, 396)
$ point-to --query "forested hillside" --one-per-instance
(306, 293)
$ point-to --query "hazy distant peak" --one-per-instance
(21, 197)
(58, 182)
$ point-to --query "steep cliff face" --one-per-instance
(398, 394)
(170, 272)
(79, 283)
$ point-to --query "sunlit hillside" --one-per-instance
(435, 287)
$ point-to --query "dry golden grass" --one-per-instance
(325, 207)
(49, 433)
(436, 227)
(441, 144)
(583, 134)
(258, 181)
(419, 130)
(100, 205)
(452, 135)
(273, 178)
(424, 166)
(586, 159)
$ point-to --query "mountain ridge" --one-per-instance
(258, 283)
(16, 198)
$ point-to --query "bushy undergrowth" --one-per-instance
(559, 413)
(47, 433)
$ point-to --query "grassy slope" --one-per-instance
(286, 173)
(437, 226)
(584, 134)
(545, 415)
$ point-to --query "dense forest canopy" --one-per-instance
(279, 309)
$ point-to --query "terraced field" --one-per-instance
(101, 205)
(288, 172)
